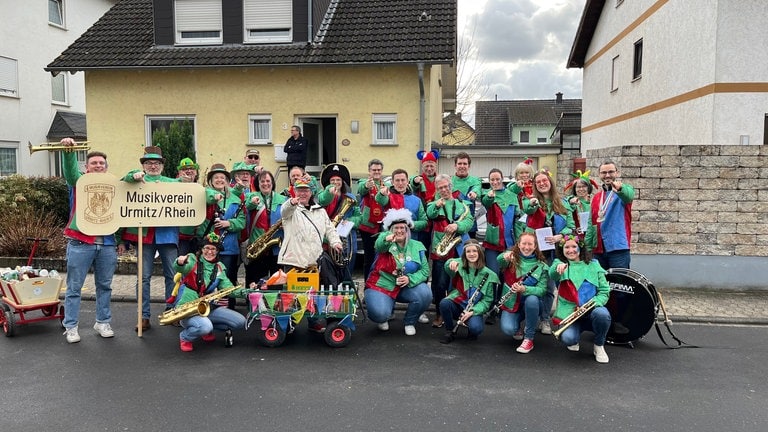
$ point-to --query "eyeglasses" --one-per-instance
(611, 172)
(253, 157)
(210, 249)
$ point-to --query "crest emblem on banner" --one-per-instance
(99, 208)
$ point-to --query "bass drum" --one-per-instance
(633, 304)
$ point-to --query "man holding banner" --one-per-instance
(84, 251)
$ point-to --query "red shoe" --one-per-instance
(185, 346)
(210, 337)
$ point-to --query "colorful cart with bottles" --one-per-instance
(26, 291)
(275, 312)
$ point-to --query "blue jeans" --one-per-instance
(598, 321)
(549, 297)
(379, 305)
(220, 318)
(614, 259)
(168, 253)
(450, 311)
(529, 309)
(80, 257)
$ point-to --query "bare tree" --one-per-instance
(470, 86)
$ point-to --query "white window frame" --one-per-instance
(267, 21)
(64, 84)
(149, 129)
(637, 60)
(57, 6)
(194, 16)
(9, 77)
(14, 155)
(528, 140)
(615, 74)
(381, 119)
(542, 133)
(253, 120)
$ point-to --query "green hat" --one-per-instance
(187, 163)
(242, 167)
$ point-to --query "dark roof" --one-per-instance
(569, 121)
(353, 32)
(587, 25)
(493, 119)
(67, 124)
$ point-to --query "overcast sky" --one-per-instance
(521, 47)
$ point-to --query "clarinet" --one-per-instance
(470, 303)
(509, 293)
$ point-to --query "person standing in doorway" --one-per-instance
(296, 148)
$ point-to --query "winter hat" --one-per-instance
(427, 156)
(394, 216)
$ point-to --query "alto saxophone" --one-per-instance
(200, 307)
(265, 241)
(342, 258)
(450, 241)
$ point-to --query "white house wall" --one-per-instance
(686, 50)
(28, 38)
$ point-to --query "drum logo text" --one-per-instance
(621, 287)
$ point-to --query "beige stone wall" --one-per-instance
(692, 200)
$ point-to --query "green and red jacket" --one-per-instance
(535, 283)
(577, 285)
(391, 258)
(465, 281)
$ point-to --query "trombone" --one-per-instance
(53, 146)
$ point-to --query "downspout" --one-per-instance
(422, 106)
(309, 21)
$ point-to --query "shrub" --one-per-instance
(36, 195)
(18, 225)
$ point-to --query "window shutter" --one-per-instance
(276, 14)
(198, 15)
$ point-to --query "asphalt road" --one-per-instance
(381, 381)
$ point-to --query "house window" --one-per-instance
(59, 88)
(385, 129)
(571, 142)
(9, 78)
(260, 127)
(198, 22)
(615, 74)
(181, 125)
(525, 137)
(267, 22)
(541, 136)
(637, 64)
(56, 12)
(8, 158)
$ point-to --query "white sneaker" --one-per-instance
(600, 355)
(545, 328)
(574, 347)
(104, 330)
(410, 330)
(423, 318)
(72, 335)
(384, 326)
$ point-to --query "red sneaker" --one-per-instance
(525, 347)
(210, 337)
(185, 346)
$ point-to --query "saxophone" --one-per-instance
(200, 307)
(265, 241)
(342, 258)
(450, 241)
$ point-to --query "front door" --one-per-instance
(312, 129)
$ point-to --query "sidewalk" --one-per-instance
(700, 306)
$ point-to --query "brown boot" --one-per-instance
(145, 325)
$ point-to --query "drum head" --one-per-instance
(633, 305)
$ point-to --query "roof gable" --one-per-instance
(585, 32)
(352, 32)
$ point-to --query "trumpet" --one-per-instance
(573, 317)
(51, 146)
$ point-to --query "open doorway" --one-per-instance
(321, 134)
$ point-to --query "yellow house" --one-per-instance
(363, 81)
